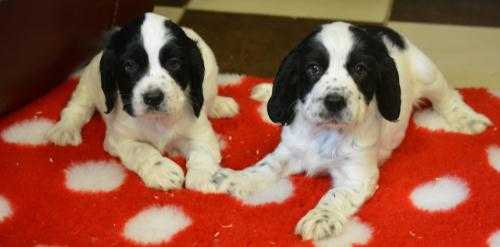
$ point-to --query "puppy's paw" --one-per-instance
(201, 180)
(164, 175)
(223, 107)
(465, 120)
(63, 134)
(240, 184)
(262, 92)
(320, 223)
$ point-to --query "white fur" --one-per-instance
(28, 132)
(277, 193)
(349, 151)
(494, 157)
(140, 141)
(444, 193)
(229, 79)
(355, 232)
(94, 176)
(155, 225)
(494, 239)
(5, 209)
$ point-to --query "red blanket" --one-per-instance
(437, 189)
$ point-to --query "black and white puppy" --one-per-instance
(344, 96)
(154, 84)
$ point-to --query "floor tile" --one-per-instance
(463, 12)
(357, 10)
(250, 44)
(468, 56)
(175, 14)
(176, 3)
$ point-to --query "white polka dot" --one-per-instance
(155, 224)
(443, 193)
(28, 132)
(5, 210)
(494, 157)
(494, 239)
(431, 120)
(277, 193)
(262, 92)
(355, 233)
(94, 176)
(226, 79)
(222, 141)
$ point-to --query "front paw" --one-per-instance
(201, 180)
(63, 134)
(164, 175)
(320, 223)
(233, 182)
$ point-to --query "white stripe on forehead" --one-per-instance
(338, 41)
(154, 36)
(337, 38)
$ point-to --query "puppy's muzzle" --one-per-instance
(334, 102)
(153, 98)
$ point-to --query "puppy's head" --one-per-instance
(153, 66)
(332, 76)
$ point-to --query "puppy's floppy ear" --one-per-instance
(388, 91)
(280, 106)
(108, 83)
(106, 68)
(197, 72)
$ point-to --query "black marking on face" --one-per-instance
(183, 61)
(298, 73)
(374, 72)
(379, 32)
(123, 63)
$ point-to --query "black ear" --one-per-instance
(280, 106)
(388, 92)
(108, 83)
(197, 72)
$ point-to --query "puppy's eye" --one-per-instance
(360, 69)
(130, 66)
(173, 64)
(314, 70)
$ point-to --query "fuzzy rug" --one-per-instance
(438, 188)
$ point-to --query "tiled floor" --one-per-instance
(251, 37)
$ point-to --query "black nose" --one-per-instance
(334, 102)
(153, 98)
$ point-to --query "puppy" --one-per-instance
(344, 96)
(154, 85)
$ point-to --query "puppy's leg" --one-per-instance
(203, 158)
(155, 170)
(354, 183)
(257, 177)
(76, 114)
(223, 107)
(446, 100)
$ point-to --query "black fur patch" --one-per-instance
(379, 32)
(292, 81)
(190, 72)
(380, 76)
(123, 45)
